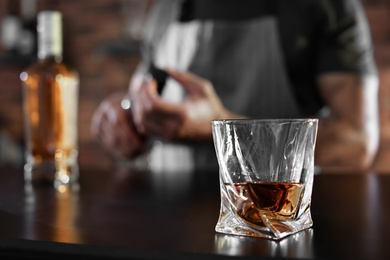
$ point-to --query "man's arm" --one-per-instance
(348, 134)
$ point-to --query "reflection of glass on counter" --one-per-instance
(299, 245)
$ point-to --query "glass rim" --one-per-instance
(262, 120)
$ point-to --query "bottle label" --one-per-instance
(49, 34)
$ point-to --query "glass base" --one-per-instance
(49, 172)
(271, 228)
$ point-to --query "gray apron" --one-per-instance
(243, 60)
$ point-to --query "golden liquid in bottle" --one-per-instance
(50, 103)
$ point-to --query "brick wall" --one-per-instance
(91, 26)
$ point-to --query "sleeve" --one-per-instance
(345, 43)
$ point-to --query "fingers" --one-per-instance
(110, 125)
(143, 101)
(154, 116)
(162, 125)
(192, 83)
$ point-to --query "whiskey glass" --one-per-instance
(266, 171)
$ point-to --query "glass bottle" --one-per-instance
(50, 106)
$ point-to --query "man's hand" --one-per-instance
(112, 126)
(189, 120)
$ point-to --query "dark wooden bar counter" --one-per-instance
(125, 214)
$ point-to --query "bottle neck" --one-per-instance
(49, 35)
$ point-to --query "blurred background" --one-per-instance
(101, 40)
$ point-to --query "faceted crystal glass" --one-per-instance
(266, 170)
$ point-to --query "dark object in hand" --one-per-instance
(160, 76)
